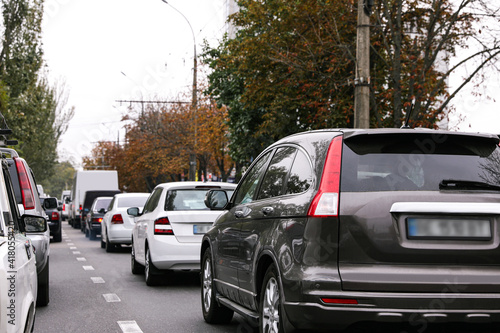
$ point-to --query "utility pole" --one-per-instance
(362, 79)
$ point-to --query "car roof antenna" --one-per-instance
(408, 115)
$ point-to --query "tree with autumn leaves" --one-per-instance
(291, 65)
(158, 143)
(291, 68)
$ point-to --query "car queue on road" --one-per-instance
(326, 229)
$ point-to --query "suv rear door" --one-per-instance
(390, 196)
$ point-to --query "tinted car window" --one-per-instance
(395, 168)
(101, 204)
(249, 184)
(300, 176)
(153, 200)
(274, 179)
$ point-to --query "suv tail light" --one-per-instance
(117, 219)
(97, 219)
(54, 216)
(24, 182)
(163, 227)
(326, 201)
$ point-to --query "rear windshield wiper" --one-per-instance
(454, 184)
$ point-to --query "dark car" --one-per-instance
(53, 211)
(88, 200)
(333, 227)
(93, 220)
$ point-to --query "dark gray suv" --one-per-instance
(333, 227)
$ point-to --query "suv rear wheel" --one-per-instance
(42, 298)
(270, 304)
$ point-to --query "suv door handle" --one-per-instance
(267, 210)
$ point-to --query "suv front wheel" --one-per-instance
(213, 313)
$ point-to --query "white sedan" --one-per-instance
(117, 225)
(167, 234)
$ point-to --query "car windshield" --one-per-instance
(380, 169)
(132, 201)
(101, 204)
(187, 199)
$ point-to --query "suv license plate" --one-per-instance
(438, 228)
(201, 229)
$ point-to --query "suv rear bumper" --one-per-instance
(418, 310)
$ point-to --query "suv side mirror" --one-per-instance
(216, 199)
(34, 223)
(133, 211)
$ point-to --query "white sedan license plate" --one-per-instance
(201, 229)
(447, 228)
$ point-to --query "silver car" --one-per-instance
(27, 197)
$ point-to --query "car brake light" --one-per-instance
(55, 216)
(97, 219)
(339, 301)
(80, 208)
(117, 219)
(326, 201)
(26, 190)
(163, 227)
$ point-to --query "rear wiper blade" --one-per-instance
(450, 184)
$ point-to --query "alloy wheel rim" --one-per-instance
(207, 285)
(270, 306)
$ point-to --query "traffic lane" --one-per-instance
(78, 305)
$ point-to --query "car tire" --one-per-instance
(42, 298)
(272, 318)
(58, 237)
(109, 247)
(134, 265)
(213, 313)
(86, 233)
(151, 273)
(92, 234)
(103, 245)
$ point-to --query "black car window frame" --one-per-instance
(236, 200)
(290, 152)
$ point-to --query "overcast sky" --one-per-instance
(109, 50)
(121, 50)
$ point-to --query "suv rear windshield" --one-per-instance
(417, 162)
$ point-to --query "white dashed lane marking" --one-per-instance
(97, 279)
(129, 326)
(111, 298)
(126, 326)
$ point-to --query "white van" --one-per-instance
(87, 180)
(65, 201)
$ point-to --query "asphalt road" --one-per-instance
(95, 291)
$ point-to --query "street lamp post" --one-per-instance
(194, 101)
